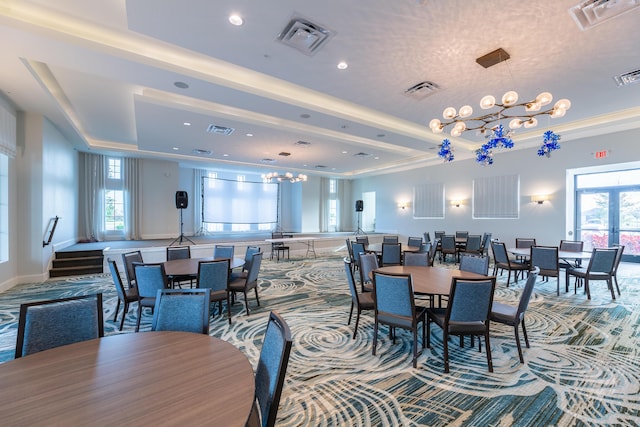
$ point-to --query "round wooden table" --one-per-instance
(147, 378)
(377, 248)
(430, 280)
(189, 266)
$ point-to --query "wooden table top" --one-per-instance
(526, 252)
(146, 378)
(430, 280)
(189, 266)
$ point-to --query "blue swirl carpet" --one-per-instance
(583, 367)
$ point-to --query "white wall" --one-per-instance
(538, 175)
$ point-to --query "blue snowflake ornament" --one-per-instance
(549, 144)
(446, 151)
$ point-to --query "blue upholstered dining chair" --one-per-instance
(359, 300)
(601, 267)
(368, 263)
(467, 313)
(125, 296)
(474, 264)
(250, 282)
(214, 275)
(416, 258)
(546, 259)
(150, 277)
(271, 371)
(414, 241)
(128, 259)
(223, 251)
(185, 310)
(502, 261)
(514, 315)
(357, 248)
(179, 252)
(394, 304)
(248, 257)
(53, 323)
(391, 254)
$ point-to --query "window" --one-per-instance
(114, 197)
(332, 206)
(4, 208)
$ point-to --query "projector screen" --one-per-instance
(239, 202)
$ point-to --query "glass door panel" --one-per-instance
(593, 219)
(628, 231)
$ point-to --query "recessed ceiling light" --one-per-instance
(342, 65)
(225, 155)
(181, 85)
(344, 152)
(236, 20)
(377, 158)
(187, 124)
(175, 148)
(249, 134)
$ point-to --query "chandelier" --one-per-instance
(489, 125)
(288, 176)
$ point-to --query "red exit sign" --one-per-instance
(601, 154)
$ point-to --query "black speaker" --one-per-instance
(182, 199)
(359, 205)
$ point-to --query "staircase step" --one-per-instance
(78, 262)
(75, 271)
(78, 254)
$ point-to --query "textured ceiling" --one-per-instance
(104, 74)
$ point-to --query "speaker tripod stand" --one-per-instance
(359, 230)
(181, 237)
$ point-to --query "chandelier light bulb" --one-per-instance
(460, 126)
(515, 124)
(532, 107)
(532, 122)
(558, 112)
(510, 98)
(544, 98)
(434, 124)
(449, 113)
(465, 111)
(564, 104)
(455, 132)
(487, 102)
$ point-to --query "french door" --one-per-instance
(610, 216)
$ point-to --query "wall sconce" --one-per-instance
(403, 205)
(539, 199)
(456, 203)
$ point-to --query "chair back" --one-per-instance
(486, 239)
(474, 264)
(349, 249)
(248, 256)
(603, 260)
(185, 310)
(526, 293)
(474, 243)
(368, 263)
(362, 239)
(470, 300)
(254, 269)
(462, 234)
(427, 236)
(618, 258)
(272, 367)
(424, 247)
(571, 245)
(439, 234)
(213, 275)
(53, 323)
(117, 281)
(432, 251)
(499, 252)
(391, 254)
(127, 260)
(389, 239)
(448, 242)
(546, 258)
(150, 277)
(525, 242)
(414, 241)
(178, 252)
(222, 251)
(416, 258)
(351, 282)
(357, 249)
(393, 298)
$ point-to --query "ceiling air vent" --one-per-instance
(627, 78)
(284, 154)
(590, 13)
(305, 36)
(303, 143)
(202, 152)
(268, 161)
(422, 90)
(221, 130)
(320, 167)
(362, 155)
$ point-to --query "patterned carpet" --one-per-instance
(582, 367)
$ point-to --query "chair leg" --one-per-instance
(488, 350)
(445, 343)
(139, 317)
(524, 332)
(415, 347)
(375, 337)
(615, 279)
(246, 302)
(586, 287)
(255, 290)
(125, 309)
(115, 315)
(355, 328)
(350, 314)
(610, 285)
(229, 307)
(515, 330)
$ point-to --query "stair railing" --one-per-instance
(51, 228)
